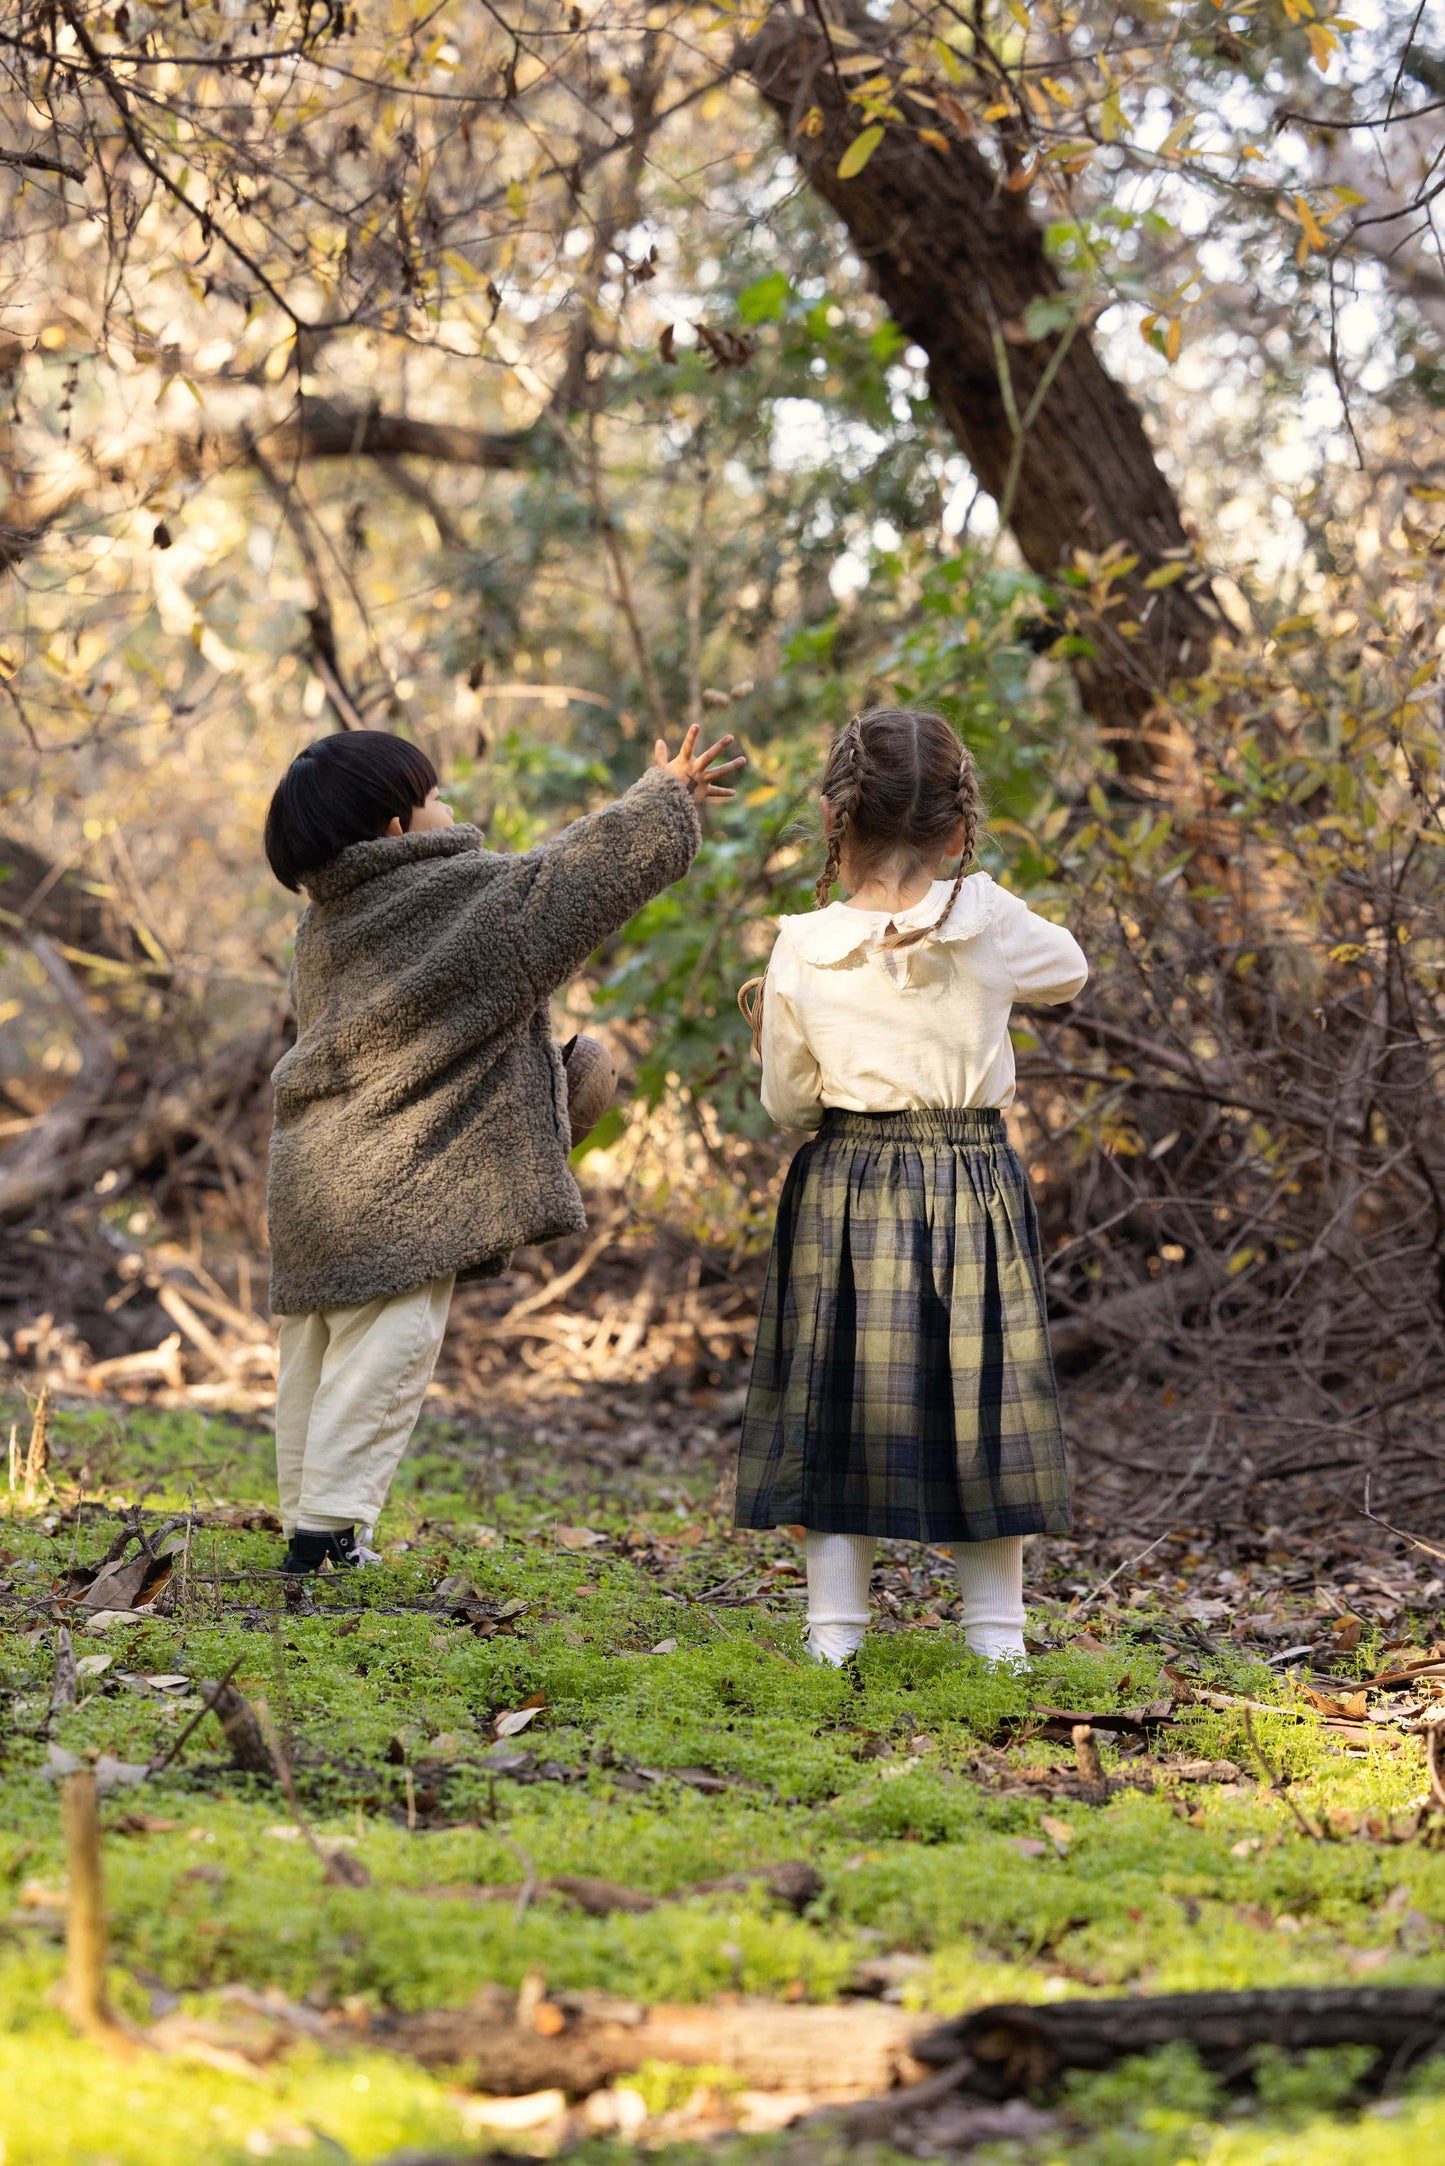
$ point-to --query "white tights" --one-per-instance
(990, 1580)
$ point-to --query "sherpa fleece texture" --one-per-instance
(421, 1116)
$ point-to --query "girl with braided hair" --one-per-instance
(901, 1383)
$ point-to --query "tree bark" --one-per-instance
(1011, 2049)
(958, 260)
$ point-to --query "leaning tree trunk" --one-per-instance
(958, 259)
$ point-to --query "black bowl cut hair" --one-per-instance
(343, 789)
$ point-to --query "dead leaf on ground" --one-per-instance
(1352, 1708)
(1059, 1832)
(513, 1720)
(129, 1584)
(579, 1538)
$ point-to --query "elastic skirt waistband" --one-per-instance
(944, 1124)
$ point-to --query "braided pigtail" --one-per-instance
(750, 1000)
(968, 813)
(966, 809)
(844, 778)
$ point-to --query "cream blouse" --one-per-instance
(849, 1023)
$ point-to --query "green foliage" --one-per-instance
(874, 1779)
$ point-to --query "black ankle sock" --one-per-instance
(310, 1550)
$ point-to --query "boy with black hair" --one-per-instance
(422, 1118)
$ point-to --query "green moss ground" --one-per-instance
(388, 1702)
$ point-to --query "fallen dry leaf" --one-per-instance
(579, 1537)
(1352, 1708)
(1058, 1831)
(512, 1720)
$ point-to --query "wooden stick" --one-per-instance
(38, 1457)
(63, 1679)
(86, 1939)
(1435, 1759)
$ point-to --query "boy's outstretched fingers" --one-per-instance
(695, 768)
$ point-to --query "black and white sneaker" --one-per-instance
(309, 1552)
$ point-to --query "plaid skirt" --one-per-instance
(902, 1383)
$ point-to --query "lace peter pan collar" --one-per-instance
(831, 937)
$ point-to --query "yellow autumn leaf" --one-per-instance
(1173, 340)
(1166, 574)
(935, 139)
(859, 151)
(999, 111)
(1313, 234)
(1111, 118)
(812, 123)
(948, 60)
(1323, 42)
(516, 198)
(1178, 136)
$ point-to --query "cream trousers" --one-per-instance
(350, 1387)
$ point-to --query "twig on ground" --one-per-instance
(336, 1866)
(207, 1707)
(1127, 1566)
(63, 1679)
(1416, 1541)
(1277, 1781)
(1435, 1759)
(529, 1884)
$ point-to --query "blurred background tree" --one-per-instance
(533, 378)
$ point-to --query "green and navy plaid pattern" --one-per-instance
(902, 1383)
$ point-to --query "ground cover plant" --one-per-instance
(597, 1681)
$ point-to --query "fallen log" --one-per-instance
(1008, 2050)
(578, 2042)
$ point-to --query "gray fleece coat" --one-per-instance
(421, 1116)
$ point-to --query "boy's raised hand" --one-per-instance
(694, 769)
